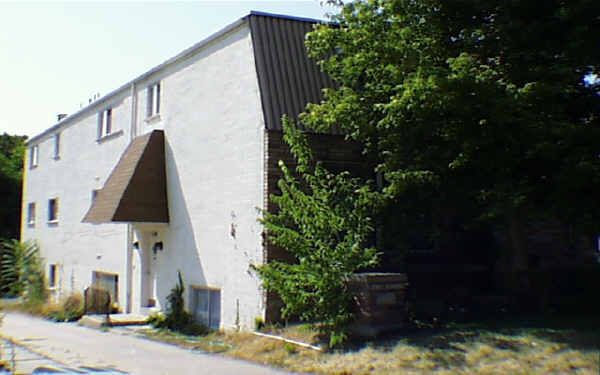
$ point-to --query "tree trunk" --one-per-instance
(513, 264)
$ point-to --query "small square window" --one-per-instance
(53, 210)
(57, 146)
(95, 194)
(153, 100)
(31, 214)
(34, 152)
(206, 306)
(108, 282)
(105, 123)
(52, 276)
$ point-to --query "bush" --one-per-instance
(259, 323)
(22, 272)
(177, 319)
(156, 320)
(70, 310)
(323, 220)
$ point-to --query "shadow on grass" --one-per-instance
(501, 332)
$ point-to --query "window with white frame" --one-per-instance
(57, 146)
(52, 276)
(34, 154)
(205, 305)
(53, 210)
(153, 100)
(105, 123)
(31, 214)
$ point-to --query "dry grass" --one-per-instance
(300, 332)
(477, 351)
(68, 309)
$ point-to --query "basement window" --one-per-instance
(109, 282)
(206, 306)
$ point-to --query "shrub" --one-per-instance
(70, 310)
(259, 323)
(290, 348)
(22, 272)
(323, 220)
(156, 320)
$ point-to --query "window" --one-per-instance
(53, 210)
(34, 156)
(95, 194)
(206, 306)
(57, 146)
(31, 214)
(153, 100)
(107, 281)
(52, 276)
(105, 123)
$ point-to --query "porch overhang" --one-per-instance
(136, 190)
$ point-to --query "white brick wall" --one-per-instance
(211, 114)
(83, 166)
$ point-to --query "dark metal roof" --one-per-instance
(136, 190)
(287, 77)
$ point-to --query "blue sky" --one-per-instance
(591, 79)
(55, 56)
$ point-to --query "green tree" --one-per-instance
(477, 109)
(21, 270)
(324, 221)
(12, 149)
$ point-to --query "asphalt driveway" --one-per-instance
(75, 346)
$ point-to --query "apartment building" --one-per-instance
(169, 173)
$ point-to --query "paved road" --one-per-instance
(22, 359)
(74, 346)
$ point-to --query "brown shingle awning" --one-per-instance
(136, 190)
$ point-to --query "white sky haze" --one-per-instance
(55, 56)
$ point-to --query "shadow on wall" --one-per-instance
(181, 251)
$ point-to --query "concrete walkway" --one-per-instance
(76, 346)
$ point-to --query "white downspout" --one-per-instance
(133, 125)
(129, 262)
(129, 266)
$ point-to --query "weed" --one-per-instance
(70, 310)
(290, 348)
(259, 323)
(156, 320)
(446, 358)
